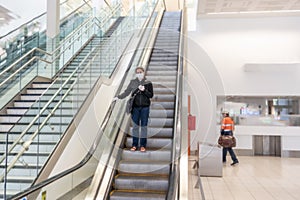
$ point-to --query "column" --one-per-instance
(52, 33)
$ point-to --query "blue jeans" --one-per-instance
(229, 149)
(139, 118)
(231, 152)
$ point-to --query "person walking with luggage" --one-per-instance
(142, 91)
(227, 128)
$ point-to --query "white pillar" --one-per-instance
(53, 17)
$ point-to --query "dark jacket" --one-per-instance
(142, 98)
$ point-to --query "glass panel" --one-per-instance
(262, 110)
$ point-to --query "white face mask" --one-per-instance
(140, 76)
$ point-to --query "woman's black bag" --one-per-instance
(129, 104)
(130, 101)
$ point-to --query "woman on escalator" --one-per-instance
(142, 91)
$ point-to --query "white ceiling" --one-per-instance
(245, 6)
(5, 16)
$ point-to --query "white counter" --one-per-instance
(290, 136)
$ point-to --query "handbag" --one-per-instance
(130, 101)
(129, 104)
(227, 141)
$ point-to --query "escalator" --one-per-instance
(146, 175)
(22, 110)
(139, 175)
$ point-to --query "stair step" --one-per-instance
(162, 78)
(162, 68)
(146, 167)
(154, 143)
(22, 179)
(35, 90)
(122, 195)
(156, 58)
(152, 183)
(163, 63)
(161, 105)
(162, 93)
(162, 55)
(161, 113)
(163, 85)
(161, 122)
(159, 132)
(150, 154)
(164, 97)
(159, 73)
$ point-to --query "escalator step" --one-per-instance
(144, 167)
(153, 183)
(122, 195)
(163, 143)
(157, 154)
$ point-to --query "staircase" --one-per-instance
(145, 175)
(23, 110)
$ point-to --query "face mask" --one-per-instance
(140, 76)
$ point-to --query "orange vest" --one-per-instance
(227, 124)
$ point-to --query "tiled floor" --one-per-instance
(254, 178)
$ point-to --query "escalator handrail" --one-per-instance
(175, 171)
(35, 18)
(93, 146)
(142, 32)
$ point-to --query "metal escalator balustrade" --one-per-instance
(145, 175)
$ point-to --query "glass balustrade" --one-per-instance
(37, 62)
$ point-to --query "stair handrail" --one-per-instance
(85, 159)
(61, 42)
(45, 52)
(53, 59)
(105, 1)
(57, 49)
(17, 141)
(35, 18)
(108, 17)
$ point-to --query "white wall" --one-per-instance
(230, 43)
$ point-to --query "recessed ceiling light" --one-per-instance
(1, 18)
